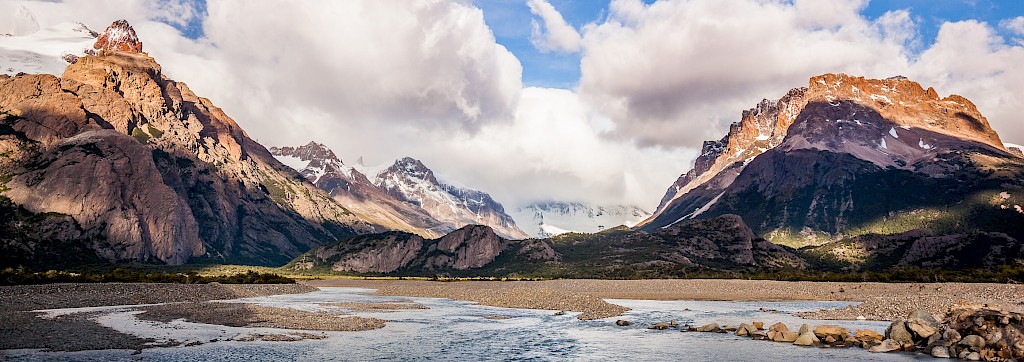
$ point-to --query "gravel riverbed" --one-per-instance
(881, 301)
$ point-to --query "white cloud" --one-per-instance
(970, 59)
(555, 34)
(676, 73)
(1015, 25)
(426, 79)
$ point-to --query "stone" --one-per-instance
(806, 339)
(759, 335)
(788, 337)
(951, 335)
(759, 325)
(939, 352)
(974, 342)
(729, 328)
(659, 326)
(861, 318)
(888, 345)
(898, 331)
(830, 340)
(745, 330)
(867, 335)
(805, 328)
(922, 323)
(824, 331)
(622, 323)
(708, 327)
(973, 356)
(778, 327)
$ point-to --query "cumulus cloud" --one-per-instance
(426, 79)
(970, 59)
(555, 34)
(676, 73)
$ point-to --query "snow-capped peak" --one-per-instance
(553, 218)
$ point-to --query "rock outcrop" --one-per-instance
(469, 248)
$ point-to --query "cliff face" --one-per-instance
(468, 248)
(151, 172)
(860, 156)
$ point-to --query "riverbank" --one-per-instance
(75, 332)
(881, 301)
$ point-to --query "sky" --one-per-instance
(551, 100)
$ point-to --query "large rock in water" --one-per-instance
(898, 332)
(923, 324)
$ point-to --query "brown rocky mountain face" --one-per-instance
(858, 156)
(118, 37)
(724, 243)
(133, 166)
(470, 247)
(357, 193)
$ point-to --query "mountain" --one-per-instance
(455, 206)
(113, 161)
(470, 247)
(356, 192)
(724, 243)
(404, 196)
(554, 218)
(849, 156)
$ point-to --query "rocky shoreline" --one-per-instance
(881, 301)
(967, 332)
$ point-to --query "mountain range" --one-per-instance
(404, 196)
(114, 162)
(546, 219)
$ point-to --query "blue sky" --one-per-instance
(511, 22)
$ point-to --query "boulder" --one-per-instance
(805, 328)
(708, 327)
(659, 326)
(745, 330)
(806, 339)
(939, 352)
(974, 342)
(923, 324)
(788, 337)
(837, 333)
(898, 332)
(729, 328)
(622, 323)
(759, 335)
(973, 356)
(759, 325)
(778, 327)
(887, 345)
(830, 339)
(951, 335)
(867, 335)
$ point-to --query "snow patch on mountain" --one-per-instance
(552, 218)
(44, 51)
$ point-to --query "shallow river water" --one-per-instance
(459, 331)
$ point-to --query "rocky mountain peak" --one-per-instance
(120, 37)
(908, 104)
(308, 152)
(411, 167)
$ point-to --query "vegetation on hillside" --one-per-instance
(21, 276)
